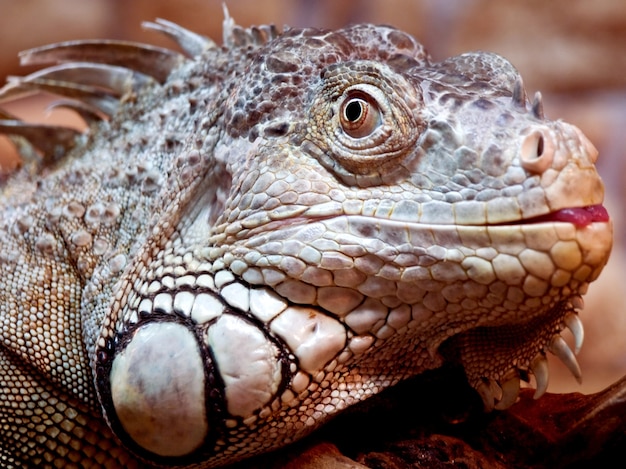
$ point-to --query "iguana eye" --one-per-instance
(362, 120)
(360, 115)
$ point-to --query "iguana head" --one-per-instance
(343, 213)
(412, 202)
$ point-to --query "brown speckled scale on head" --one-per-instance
(254, 236)
(275, 82)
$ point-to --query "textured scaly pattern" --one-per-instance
(254, 236)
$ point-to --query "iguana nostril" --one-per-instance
(536, 153)
(540, 146)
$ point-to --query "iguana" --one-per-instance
(251, 237)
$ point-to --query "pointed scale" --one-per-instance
(561, 350)
(234, 35)
(86, 112)
(519, 93)
(117, 81)
(53, 141)
(537, 106)
(539, 367)
(93, 96)
(154, 61)
(191, 43)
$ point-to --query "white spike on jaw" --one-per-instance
(577, 302)
(561, 350)
(503, 393)
(539, 367)
(510, 391)
(500, 397)
(575, 325)
(486, 394)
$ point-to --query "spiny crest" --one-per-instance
(95, 76)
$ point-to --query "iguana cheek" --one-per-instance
(158, 389)
(186, 368)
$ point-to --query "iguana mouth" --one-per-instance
(579, 216)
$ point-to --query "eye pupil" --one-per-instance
(360, 115)
(354, 110)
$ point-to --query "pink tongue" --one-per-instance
(581, 216)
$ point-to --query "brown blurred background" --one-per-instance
(574, 51)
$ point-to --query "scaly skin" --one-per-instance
(287, 225)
